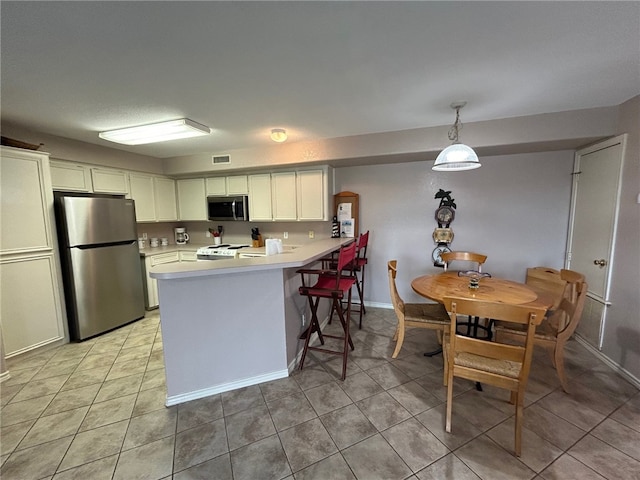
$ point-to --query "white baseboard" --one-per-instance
(610, 363)
(225, 387)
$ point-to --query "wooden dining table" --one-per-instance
(492, 289)
(450, 284)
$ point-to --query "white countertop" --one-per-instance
(294, 258)
(188, 247)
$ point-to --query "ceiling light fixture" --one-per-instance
(456, 156)
(156, 132)
(278, 135)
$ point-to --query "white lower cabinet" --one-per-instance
(161, 259)
(152, 283)
(31, 304)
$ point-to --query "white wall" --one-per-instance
(621, 342)
(515, 209)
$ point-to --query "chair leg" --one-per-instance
(519, 411)
(400, 339)
(559, 364)
(449, 400)
(314, 325)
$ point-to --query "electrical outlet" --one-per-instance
(144, 236)
(207, 234)
(311, 234)
(286, 235)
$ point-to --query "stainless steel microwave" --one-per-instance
(228, 208)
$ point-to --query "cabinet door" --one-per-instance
(283, 194)
(152, 283)
(26, 202)
(142, 193)
(69, 177)
(311, 195)
(216, 186)
(237, 185)
(260, 197)
(188, 257)
(109, 181)
(31, 305)
(165, 197)
(192, 199)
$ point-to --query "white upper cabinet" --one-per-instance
(142, 193)
(216, 186)
(165, 198)
(109, 181)
(312, 195)
(290, 196)
(237, 185)
(283, 196)
(192, 199)
(70, 177)
(221, 186)
(260, 197)
(27, 202)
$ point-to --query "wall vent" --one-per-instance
(221, 159)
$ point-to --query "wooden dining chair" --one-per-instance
(460, 256)
(553, 332)
(420, 315)
(547, 281)
(504, 366)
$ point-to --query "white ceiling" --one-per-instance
(317, 69)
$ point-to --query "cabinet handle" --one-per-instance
(601, 263)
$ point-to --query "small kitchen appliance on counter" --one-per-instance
(182, 237)
(219, 252)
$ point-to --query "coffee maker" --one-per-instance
(182, 236)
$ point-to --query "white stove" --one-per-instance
(219, 252)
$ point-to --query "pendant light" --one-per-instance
(456, 156)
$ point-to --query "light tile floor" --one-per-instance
(95, 410)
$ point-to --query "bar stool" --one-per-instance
(335, 285)
(356, 269)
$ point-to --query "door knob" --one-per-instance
(601, 263)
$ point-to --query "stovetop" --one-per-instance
(225, 249)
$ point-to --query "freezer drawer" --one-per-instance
(107, 289)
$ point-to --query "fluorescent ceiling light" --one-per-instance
(156, 132)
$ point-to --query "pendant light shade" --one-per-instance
(458, 156)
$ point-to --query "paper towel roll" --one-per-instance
(273, 246)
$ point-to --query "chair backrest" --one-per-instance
(522, 314)
(346, 256)
(573, 279)
(477, 258)
(549, 281)
(568, 314)
(398, 304)
(363, 241)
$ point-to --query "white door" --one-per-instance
(594, 212)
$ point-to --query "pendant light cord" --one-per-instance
(455, 128)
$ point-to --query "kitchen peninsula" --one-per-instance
(228, 324)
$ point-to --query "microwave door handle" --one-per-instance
(233, 209)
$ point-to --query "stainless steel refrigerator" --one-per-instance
(100, 262)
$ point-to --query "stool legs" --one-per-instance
(315, 326)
